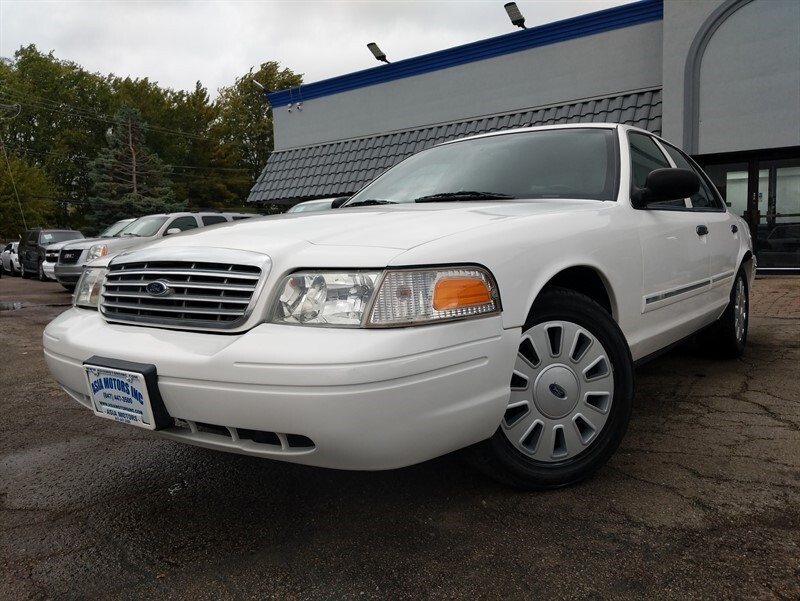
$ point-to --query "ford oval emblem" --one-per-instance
(158, 288)
(558, 391)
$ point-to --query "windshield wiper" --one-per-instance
(463, 195)
(131, 234)
(369, 203)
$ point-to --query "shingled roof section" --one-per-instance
(342, 168)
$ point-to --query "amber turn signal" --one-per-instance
(453, 293)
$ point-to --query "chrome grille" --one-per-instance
(51, 256)
(70, 256)
(182, 294)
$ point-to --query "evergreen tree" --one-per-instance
(129, 180)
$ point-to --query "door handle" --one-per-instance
(734, 229)
(701, 230)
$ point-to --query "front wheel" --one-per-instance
(25, 274)
(572, 389)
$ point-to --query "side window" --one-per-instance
(645, 157)
(212, 219)
(705, 198)
(183, 223)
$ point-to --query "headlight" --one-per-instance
(401, 298)
(87, 292)
(418, 296)
(325, 298)
(97, 251)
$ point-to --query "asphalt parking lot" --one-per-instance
(702, 501)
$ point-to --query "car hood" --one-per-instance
(397, 227)
(60, 245)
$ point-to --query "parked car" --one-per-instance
(320, 204)
(53, 251)
(492, 293)
(51, 258)
(10, 259)
(780, 248)
(73, 257)
(32, 249)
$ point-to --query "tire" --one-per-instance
(42, 276)
(25, 275)
(727, 337)
(572, 391)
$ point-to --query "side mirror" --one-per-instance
(172, 230)
(339, 202)
(665, 184)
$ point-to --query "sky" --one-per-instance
(179, 42)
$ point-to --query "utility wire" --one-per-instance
(58, 107)
(5, 107)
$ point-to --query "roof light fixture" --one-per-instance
(514, 14)
(377, 52)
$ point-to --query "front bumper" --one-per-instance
(48, 267)
(366, 399)
(68, 274)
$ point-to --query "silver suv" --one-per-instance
(73, 257)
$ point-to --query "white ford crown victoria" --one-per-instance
(492, 293)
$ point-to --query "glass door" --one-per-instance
(779, 222)
(766, 193)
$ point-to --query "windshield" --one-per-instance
(566, 163)
(144, 226)
(114, 229)
(53, 237)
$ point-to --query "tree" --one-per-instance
(129, 180)
(244, 125)
(62, 118)
(27, 196)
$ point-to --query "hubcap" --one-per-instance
(740, 310)
(561, 392)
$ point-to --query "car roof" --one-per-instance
(521, 130)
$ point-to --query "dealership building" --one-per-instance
(720, 78)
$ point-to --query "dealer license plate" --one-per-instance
(120, 395)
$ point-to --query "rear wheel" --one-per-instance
(572, 389)
(25, 274)
(728, 336)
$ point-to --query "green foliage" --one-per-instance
(37, 196)
(61, 123)
(244, 127)
(209, 154)
(128, 179)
